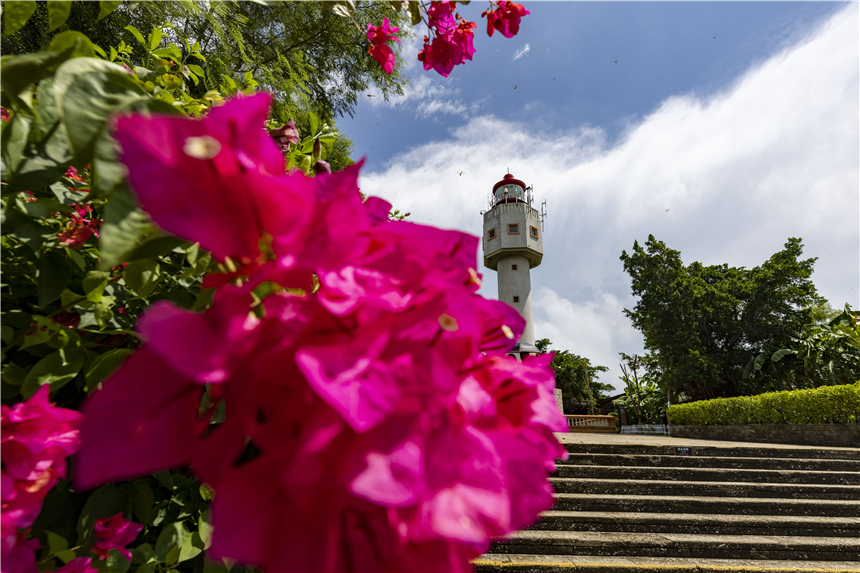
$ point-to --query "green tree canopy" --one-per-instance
(308, 56)
(570, 376)
(702, 324)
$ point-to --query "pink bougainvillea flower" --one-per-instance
(379, 36)
(72, 173)
(36, 439)
(144, 418)
(441, 16)
(78, 565)
(4, 114)
(114, 532)
(205, 347)
(19, 554)
(505, 19)
(449, 49)
(286, 135)
(216, 179)
(374, 408)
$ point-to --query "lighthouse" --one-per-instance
(513, 245)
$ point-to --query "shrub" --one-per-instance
(826, 405)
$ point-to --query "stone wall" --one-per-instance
(839, 435)
(558, 400)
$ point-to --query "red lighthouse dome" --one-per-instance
(509, 190)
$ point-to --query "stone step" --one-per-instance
(712, 489)
(708, 505)
(519, 563)
(751, 451)
(733, 462)
(712, 524)
(707, 474)
(680, 545)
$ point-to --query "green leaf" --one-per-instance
(196, 69)
(164, 478)
(16, 131)
(86, 105)
(54, 275)
(51, 158)
(143, 276)
(143, 502)
(137, 35)
(106, 501)
(123, 226)
(14, 374)
(780, 354)
(94, 285)
(79, 44)
(415, 12)
(17, 12)
(315, 122)
(22, 71)
(58, 13)
(155, 246)
(105, 365)
(154, 38)
(116, 561)
(42, 208)
(204, 527)
(66, 555)
(106, 7)
(171, 538)
(56, 542)
(53, 369)
(192, 546)
(102, 312)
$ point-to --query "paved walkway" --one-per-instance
(639, 440)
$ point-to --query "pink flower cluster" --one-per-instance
(381, 52)
(373, 421)
(81, 226)
(114, 533)
(452, 42)
(506, 18)
(37, 437)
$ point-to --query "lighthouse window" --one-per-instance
(513, 229)
(491, 234)
(513, 267)
(516, 299)
(533, 231)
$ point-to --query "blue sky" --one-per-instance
(721, 147)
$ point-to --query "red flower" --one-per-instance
(80, 228)
(378, 36)
(4, 114)
(506, 19)
(72, 173)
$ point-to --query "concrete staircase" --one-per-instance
(639, 508)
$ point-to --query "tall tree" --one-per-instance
(703, 323)
(304, 53)
(570, 375)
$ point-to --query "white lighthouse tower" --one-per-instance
(513, 245)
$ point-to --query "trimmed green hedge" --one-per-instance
(825, 405)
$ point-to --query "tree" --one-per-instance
(570, 375)
(308, 56)
(703, 323)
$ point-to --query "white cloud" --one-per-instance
(521, 52)
(723, 179)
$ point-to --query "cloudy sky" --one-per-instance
(723, 129)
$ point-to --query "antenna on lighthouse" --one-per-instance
(542, 214)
